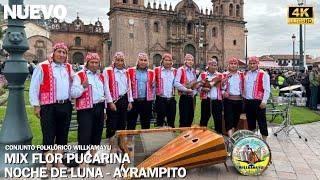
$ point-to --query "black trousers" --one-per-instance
(166, 108)
(232, 112)
(55, 123)
(186, 110)
(142, 108)
(90, 125)
(254, 113)
(116, 120)
(211, 107)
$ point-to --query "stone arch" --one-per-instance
(238, 10)
(231, 9)
(190, 49)
(156, 59)
(78, 58)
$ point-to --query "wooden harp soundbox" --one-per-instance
(194, 147)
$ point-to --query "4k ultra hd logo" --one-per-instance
(301, 15)
(34, 11)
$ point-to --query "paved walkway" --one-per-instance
(292, 158)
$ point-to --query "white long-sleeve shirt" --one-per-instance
(190, 75)
(250, 79)
(167, 76)
(122, 82)
(234, 82)
(213, 93)
(60, 75)
(100, 92)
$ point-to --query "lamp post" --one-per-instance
(293, 46)
(246, 35)
(109, 43)
(301, 63)
(15, 128)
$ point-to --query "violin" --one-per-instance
(214, 82)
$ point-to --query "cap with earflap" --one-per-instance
(212, 61)
(233, 60)
(92, 56)
(142, 55)
(59, 46)
(254, 59)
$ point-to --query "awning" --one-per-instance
(268, 64)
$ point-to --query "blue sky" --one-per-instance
(269, 32)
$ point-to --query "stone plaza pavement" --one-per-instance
(292, 158)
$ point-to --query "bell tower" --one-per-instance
(228, 8)
(126, 3)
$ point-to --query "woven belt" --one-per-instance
(234, 98)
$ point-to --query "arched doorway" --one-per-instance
(157, 59)
(77, 58)
(190, 49)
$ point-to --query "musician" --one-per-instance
(211, 96)
(165, 101)
(257, 92)
(91, 91)
(232, 100)
(143, 87)
(121, 93)
(185, 82)
(49, 94)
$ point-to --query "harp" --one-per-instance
(194, 147)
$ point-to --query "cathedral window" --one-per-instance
(238, 11)
(221, 10)
(98, 29)
(189, 28)
(156, 27)
(214, 32)
(135, 1)
(234, 42)
(131, 35)
(91, 29)
(40, 54)
(125, 1)
(231, 10)
(77, 26)
(39, 44)
(77, 41)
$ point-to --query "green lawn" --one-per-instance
(299, 115)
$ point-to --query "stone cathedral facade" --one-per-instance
(157, 28)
